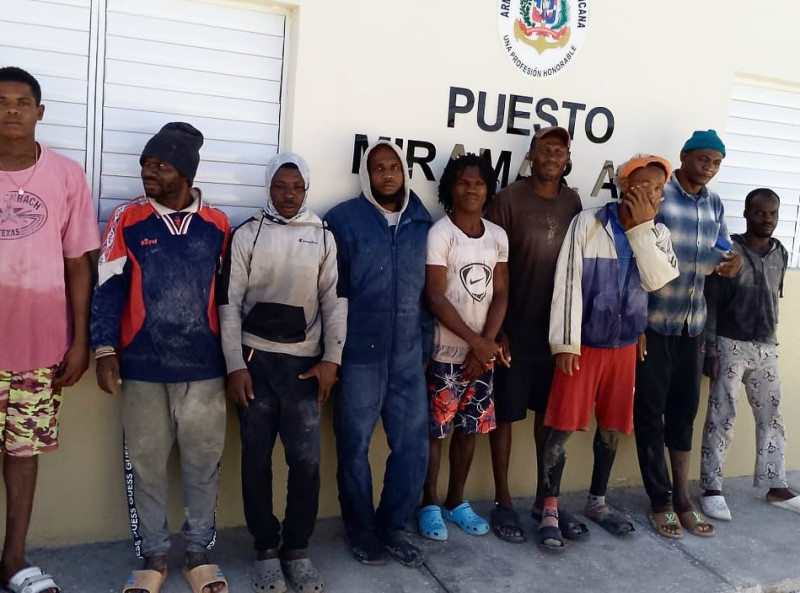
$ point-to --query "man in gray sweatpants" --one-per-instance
(155, 334)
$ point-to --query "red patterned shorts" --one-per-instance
(469, 406)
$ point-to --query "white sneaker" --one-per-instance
(715, 507)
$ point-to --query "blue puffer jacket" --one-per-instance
(382, 274)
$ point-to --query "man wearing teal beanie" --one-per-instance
(704, 140)
(671, 357)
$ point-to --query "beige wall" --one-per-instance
(664, 69)
(81, 495)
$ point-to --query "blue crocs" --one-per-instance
(466, 519)
(430, 523)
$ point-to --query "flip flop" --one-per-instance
(430, 523)
(793, 504)
(466, 519)
(613, 522)
(694, 522)
(145, 580)
(204, 575)
(715, 507)
(268, 577)
(661, 520)
(31, 580)
(571, 527)
(303, 576)
(505, 520)
(550, 537)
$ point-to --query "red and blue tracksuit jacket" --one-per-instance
(154, 301)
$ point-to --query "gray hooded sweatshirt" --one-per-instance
(277, 292)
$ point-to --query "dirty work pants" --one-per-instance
(154, 416)
(756, 365)
(664, 406)
(287, 406)
(394, 391)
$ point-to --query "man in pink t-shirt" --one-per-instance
(47, 228)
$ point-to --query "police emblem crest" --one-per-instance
(542, 36)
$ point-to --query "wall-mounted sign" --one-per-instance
(542, 36)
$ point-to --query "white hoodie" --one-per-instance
(277, 292)
(366, 185)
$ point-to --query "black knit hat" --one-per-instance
(178, 144)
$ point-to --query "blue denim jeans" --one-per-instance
(393, 390)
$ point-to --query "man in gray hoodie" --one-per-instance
(283, 325)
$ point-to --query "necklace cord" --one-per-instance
(36, 155)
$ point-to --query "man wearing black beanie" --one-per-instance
(155, 334)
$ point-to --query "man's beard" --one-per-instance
(394, 199)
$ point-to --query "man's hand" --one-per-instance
(108, 374)
(568, 363)
(504, 354)
(484, 349)
(239, 388)
(730, 265)
(711, 366)
(72, 367)
(472, 368)
(325, 372)
(641, 347)
(638, 205)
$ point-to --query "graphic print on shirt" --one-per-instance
(21, 215)
(476, 278)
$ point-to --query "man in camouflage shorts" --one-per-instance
(29, 411)
(47, 229)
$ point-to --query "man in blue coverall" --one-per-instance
(381, 237)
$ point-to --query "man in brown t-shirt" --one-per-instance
(535, 213)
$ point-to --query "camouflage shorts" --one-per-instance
(28, 412)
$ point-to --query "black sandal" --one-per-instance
(571, 527)
(505, 520)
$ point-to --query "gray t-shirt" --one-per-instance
(536, 228)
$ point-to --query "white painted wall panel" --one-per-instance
(230, 130)
(49, 14)
(50, 39)
(216, 65)
(763, 150)
(187, 34)
(192, 58)
(243, 18)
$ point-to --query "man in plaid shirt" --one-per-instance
(671, 357)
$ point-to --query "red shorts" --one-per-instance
(606, 381)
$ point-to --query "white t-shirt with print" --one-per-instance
(470, 264)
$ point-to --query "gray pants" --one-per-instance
(154, 415)
(756, 365)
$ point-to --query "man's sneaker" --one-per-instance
(403, 551)
(368, 550)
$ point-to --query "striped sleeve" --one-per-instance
(567, 305)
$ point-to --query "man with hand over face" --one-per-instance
(611, 258)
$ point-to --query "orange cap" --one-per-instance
(643, 160)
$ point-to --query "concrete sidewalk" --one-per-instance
(756, 552)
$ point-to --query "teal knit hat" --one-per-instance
(704, 139)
